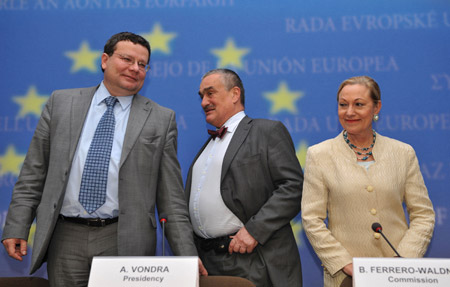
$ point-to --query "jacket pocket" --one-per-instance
(152, 219)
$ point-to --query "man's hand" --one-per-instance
(242, 242)
(201, 269)
(15, 247)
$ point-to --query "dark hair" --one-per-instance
(110, 45)
(366, 81)
(230, 80)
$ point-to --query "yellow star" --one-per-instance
(31, 235)
(11, 162)
(31, 103)
(230, 55)
(301, 152)
(297, 228)
(283, 99)
(84, 58)
(159, 41)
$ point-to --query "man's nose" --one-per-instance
(205, 102)
(135, 66)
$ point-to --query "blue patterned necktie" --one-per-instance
(95, 173)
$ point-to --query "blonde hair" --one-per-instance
(366, 81)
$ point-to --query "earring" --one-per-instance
(376, 117)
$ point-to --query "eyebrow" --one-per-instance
(354, 99)
(129, 56)
(204, 90)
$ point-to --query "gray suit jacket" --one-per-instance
(149, 174)
(261, 183)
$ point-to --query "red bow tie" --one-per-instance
(218, 133)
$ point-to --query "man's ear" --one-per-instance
(236, 94)
(105, 57)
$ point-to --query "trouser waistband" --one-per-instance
(219, 244)
(95, 222)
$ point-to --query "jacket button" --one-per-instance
(376, 235)
(373, 211)
(370, 188)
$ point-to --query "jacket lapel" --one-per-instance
(140, 110)
(187, 188)
(80, 106)
(238, 138)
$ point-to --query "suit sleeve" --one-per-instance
(170, 197)
(286, 183)
(421, 215)
(333, 255)
(30, 183)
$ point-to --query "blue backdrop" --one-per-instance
(291, 55)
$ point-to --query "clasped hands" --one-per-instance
(242, 242)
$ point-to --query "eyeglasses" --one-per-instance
(143, 67)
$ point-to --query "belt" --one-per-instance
(219, 244)
(96, 222)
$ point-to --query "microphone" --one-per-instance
(377, 228)
(163, 220)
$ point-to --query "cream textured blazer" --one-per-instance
(352, 198)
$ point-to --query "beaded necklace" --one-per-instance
(365, 155)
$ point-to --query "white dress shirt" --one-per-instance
(71, 206)
(210, 216)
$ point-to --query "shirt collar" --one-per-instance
(233, 122)
(102, 93)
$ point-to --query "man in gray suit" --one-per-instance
(141, 171)
(243, 188)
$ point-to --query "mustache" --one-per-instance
(208, 107)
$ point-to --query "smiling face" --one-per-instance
(219, 103)
(121, 78)
(356, 109)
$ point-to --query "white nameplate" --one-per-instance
(145, 271)
(401, 272)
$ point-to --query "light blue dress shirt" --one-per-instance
(71, 206)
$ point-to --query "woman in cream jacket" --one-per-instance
(358, 178)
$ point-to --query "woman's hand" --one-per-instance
(348, 269)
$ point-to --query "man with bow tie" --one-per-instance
(243, 189)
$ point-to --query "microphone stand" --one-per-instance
(389, 243)
(378, 229)
(163, 226)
